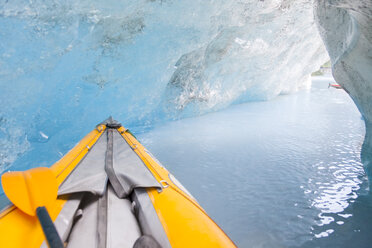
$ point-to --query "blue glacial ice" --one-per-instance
(66, 65)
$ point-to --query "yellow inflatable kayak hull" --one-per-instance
(184, 221)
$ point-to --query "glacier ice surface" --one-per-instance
(66, 65)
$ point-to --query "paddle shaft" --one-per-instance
(50, 231)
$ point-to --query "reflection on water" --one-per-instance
(283, 173)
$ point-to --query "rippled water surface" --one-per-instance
(283, 173)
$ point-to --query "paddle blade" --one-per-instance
(30, 189)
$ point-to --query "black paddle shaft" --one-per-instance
(50, 231)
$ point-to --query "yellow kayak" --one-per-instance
(113, 193)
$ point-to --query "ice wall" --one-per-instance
(258, 49)
(346, 28)
(66, 65)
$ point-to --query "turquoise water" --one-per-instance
(282, 173)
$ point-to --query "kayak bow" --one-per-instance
(113, 193)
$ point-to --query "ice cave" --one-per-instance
(220, 92)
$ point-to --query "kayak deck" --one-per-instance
(113, 193)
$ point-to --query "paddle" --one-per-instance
(32, 191)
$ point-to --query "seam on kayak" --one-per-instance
(100, 133)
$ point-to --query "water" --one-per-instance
(282, 173)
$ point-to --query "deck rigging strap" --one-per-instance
(109, 164)
(102, 220)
